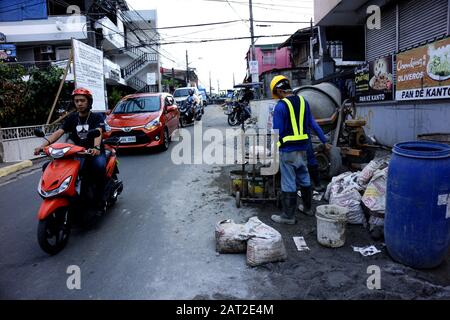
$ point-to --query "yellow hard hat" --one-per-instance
(276, 80)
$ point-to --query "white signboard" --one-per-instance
(253, 66)
(151, 78)
(88, 65)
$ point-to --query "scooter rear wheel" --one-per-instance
(54, 231)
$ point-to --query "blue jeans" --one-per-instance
(294, 172)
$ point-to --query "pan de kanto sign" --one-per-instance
(424, 73)
(88, 70)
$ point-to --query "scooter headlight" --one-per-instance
(62, 187)
(58, 153)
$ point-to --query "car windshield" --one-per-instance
(181, 93)
(138, 105)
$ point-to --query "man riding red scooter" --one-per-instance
(81, 175)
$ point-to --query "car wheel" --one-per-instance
(166, 140)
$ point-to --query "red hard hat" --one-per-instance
(82, 91)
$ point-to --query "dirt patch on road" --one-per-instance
(324, 273)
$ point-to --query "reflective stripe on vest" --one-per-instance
(297, 129)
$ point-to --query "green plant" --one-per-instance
(114, 96)
(26, 97)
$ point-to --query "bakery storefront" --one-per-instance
(411, 48)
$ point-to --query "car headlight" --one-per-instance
(58, 153)
(63, 187)
(107, 127)
(152, 124)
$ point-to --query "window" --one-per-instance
(62, 53)
(335, 49)
(269, 57)
(138, 105)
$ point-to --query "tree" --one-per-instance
(26, 97)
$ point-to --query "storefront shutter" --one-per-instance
(382, 42)
(421, 21)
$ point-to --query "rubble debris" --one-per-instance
(265, 244)
(230, 237)
(367, 251)
(300, 243)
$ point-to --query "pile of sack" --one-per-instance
(364, 194)
(262, 243)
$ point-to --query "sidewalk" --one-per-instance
(9, 168)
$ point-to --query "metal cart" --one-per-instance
(258, 180)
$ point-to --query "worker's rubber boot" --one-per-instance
(315, 178)
(289, 202)
(306, 208)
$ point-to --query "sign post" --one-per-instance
(88, 71)
(60, 86)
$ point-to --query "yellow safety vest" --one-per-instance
(297, 129)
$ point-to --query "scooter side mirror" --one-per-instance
(39, 133)
(94, 133)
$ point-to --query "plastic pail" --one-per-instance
(331, 221)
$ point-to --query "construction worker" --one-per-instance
(293, 120)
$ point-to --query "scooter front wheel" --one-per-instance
(54, 231)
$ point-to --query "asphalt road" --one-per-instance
(156, 243)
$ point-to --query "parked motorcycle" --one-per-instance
(189, 112)
(68, 194)
(237, 113)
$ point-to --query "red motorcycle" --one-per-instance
(68, 194)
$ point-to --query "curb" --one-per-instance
(15, 167)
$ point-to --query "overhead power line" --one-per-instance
(261, 4)
(224, 39)
(200, 24)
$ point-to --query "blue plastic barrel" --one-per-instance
(417, 220)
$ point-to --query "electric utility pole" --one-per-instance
(210, 92)
(187, 69)
(251, 30)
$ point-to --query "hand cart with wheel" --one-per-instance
(258, 180)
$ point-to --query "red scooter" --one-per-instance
(68, 194)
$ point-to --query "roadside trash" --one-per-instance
(331, 221)
(345, 181)
(350, 199)
(368, 172)
(230, 237)
(265, 244)
(317, 196)
(366, 251)
(374, 199)
(301, 244)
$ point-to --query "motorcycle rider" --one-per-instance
(194, 100)
(245, 100)
(77, 126)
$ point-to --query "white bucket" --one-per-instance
(331, 221)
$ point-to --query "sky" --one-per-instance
(225, 58)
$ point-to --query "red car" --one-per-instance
(143, 120)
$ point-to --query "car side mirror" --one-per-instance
(108, 112)
(39, 133)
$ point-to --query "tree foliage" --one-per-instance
(26, 96)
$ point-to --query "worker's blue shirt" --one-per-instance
(282, 123)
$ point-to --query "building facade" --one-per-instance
(405, 51)
(41, 33)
